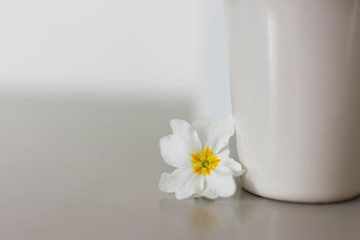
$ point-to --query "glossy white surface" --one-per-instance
(84, 169)
(295, 81)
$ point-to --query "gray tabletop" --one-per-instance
(88, 169)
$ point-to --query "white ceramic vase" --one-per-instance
(295, 86)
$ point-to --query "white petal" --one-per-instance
(176, 149)
(184, 182)
(172, 182)
(226, 161)
(192, 187)
(218, 184)
(215, 134)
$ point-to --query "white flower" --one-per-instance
(201, 154)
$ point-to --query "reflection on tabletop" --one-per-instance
(246, 216)
(89, 169)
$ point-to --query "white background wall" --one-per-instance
(159, 49)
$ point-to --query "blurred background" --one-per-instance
(87, 89)
(130, 51)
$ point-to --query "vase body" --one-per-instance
(294, 70)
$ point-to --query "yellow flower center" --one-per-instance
(204, 162)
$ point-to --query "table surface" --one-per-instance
(89, 169)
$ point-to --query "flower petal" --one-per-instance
(218, 184)
(226, 161)
(215, 134)
(176, 149)
(171, 182)
(184, 182)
